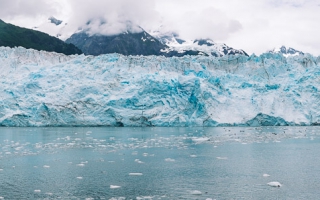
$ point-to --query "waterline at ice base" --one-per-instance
(49, 89)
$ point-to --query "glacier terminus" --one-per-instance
(39, 88)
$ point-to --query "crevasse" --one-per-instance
(40, 88)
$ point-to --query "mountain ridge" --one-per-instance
(11, 36)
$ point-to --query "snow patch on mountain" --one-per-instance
(205, 46)
(286, 51)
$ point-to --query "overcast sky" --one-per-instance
(252, 25)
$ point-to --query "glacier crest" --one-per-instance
(49, 89)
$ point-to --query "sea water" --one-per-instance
(160, 163)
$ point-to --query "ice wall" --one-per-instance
(48, 89)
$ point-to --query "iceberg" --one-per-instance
(39, 88)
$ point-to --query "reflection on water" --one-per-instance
(159, 163)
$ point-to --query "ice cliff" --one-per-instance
(38, 88)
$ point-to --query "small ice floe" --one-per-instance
(1, 197)
(265, 175)
(222, 158)
(169, 160)
(1, 170)
(193, 156)
(200, 140)
(49, 193)
(115, 186)
(37, 191)
(80, 177)
(135, 174)
(196, 192)
(80, 165)
(46, 166)
(138, 161)
(144, 197)
(145, 154)
(274, 184)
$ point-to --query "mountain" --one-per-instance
(12, 36)
(55, 21)
(127, 43)
(202, 46)
(116, 90)
(286, 51)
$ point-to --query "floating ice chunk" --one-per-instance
(79, 177)
(144, 197)
(222, 158)
(37, 191)
(1, 170)
(265, 175)
(138, 161)
(80, 165)
(200, 140)
(169, 160)
(135, 174)
(196, 192)
(193, 156)
(274, 184)
(1, 197)
(114, 186)
(46, 166)
(49, 193)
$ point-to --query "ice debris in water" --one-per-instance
(79, 177)
(112, 89)
(200, 140)
(114, 186)
(170, 160)
(46, 166)
(196, 192)
(274, 184)
(265, 175)
(37, 191)
(222, 158)
(135, 174)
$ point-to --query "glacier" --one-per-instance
(39, 88)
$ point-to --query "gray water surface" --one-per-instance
(168, 163)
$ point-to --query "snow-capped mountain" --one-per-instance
(286, 51)
(203, 46)
(127, 43)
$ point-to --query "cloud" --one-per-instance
(254, 26)
(204, 23)
(112, 16)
